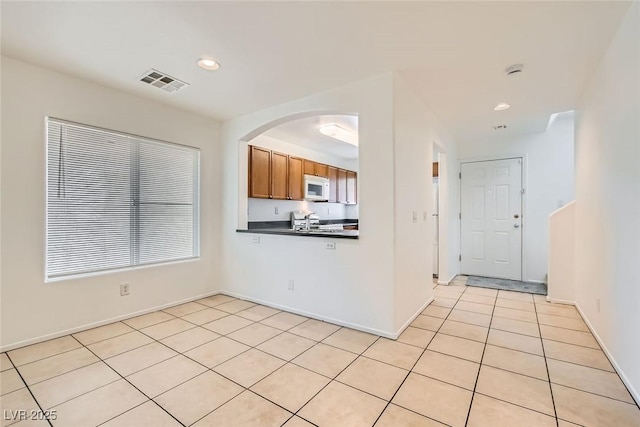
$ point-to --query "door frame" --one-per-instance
(524, 268)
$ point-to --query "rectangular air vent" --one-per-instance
(162, 81)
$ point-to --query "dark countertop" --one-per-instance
(334, 234)
(284, 225)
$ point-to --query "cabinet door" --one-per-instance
(295, 178)
(322, 170)
(279, 178)
(342, 186)
(333, 183)
(352, 185)
(259, 172)
(309, 167)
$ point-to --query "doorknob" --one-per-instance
(516, 225)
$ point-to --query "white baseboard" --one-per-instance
(446, 282)
(59, 334)
(355, 326)
(561, 301)
(625, 379)
(408, 322)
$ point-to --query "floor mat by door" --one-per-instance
(507, 285)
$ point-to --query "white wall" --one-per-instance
(548, 181)
(352, 284)
(33, 309)
(414, 136)
(608, 199)
(562, 254)
(378, 282)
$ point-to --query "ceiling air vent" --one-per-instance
(162, 81)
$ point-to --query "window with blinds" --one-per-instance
(116, 200)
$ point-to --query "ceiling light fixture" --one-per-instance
(338, 132)
(502, 106)
(208, 64)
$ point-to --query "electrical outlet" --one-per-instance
(425, 215)
(255, 239)
(415, 216)
(328, 211)
(124, 289)
(331, 246)
(276, 210)
(291, 284)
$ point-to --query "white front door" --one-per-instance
(491, 218)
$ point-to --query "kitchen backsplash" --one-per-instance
(265, 209)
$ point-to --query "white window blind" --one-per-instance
(116, 200)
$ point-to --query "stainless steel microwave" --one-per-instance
(316, 188)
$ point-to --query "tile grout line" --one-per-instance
(30, 392)
(475, 386)
(46, 357)
(546, 365)
(415, 363)
(132, 385)
(271, 373)
(336, 376)
(227, 378)
(100, 359)
(286, 362)
(195, 361)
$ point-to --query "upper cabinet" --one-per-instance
(274, 175)
(322, 170)
(342, 186)
(317, 169)
(259, 172)
(279, 176)
(295, 178)
(352, 186)
(333, 183)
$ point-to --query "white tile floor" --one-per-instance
(474, 357)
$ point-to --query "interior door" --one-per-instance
(491, 218)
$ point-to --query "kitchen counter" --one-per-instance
(334, 234)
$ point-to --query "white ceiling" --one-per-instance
(305, 132)
(452, 53)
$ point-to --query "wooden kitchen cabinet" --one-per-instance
(316, 169)
(342, 186)
(332, 173)
(274, 175)
(279, 175)
(296, 178)
(309, 167)
(322, 170)
(259, 172)
(352, 188)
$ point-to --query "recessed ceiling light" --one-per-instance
(208, 64)
(338, 132)
(501, 106)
